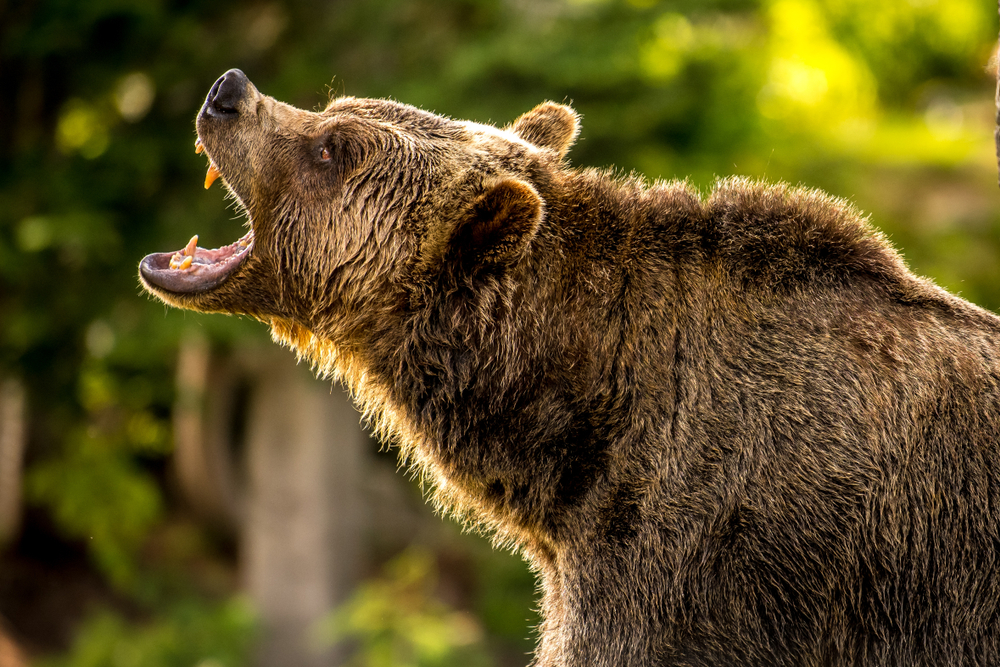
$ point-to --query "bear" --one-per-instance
(724, 428)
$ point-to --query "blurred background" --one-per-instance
(174, 490)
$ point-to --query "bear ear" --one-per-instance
(500, 224)
(549, 125)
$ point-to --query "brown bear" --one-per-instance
(730, 430)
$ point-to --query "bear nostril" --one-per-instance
(226, 93)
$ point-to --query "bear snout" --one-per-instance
(226, 94)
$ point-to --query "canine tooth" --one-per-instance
(185, 263)
(198, 147)
(213, 173)
(190, 247)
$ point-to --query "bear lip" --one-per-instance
(207, 269)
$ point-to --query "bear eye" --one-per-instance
(325, 155)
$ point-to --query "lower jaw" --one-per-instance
(195, 270)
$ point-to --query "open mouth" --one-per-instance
(193, 269)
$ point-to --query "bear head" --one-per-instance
(348, 204)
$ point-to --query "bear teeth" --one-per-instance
(213, 171)
(182, 261)
(212, 175)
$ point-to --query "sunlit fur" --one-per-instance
(725, 429)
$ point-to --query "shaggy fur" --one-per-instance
(723, 430)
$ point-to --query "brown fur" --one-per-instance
(730, 430)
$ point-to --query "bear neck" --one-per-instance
(528, 395)
(500, 387)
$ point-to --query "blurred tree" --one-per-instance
(186, 635)
(885, 103)
(396, 620)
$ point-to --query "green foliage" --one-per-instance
(192, 634)
(96, 491)
(908, 44)
(396, 620)
(506, 598)
(98, 495)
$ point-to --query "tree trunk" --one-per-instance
(265, 449)
(205, 413)
(305, 512)
(12, 443)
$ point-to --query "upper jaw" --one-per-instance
(227, 118)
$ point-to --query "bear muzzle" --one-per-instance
(194, 270)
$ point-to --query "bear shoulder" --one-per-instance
(778, 235)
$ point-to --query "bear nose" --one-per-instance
(226, 94)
